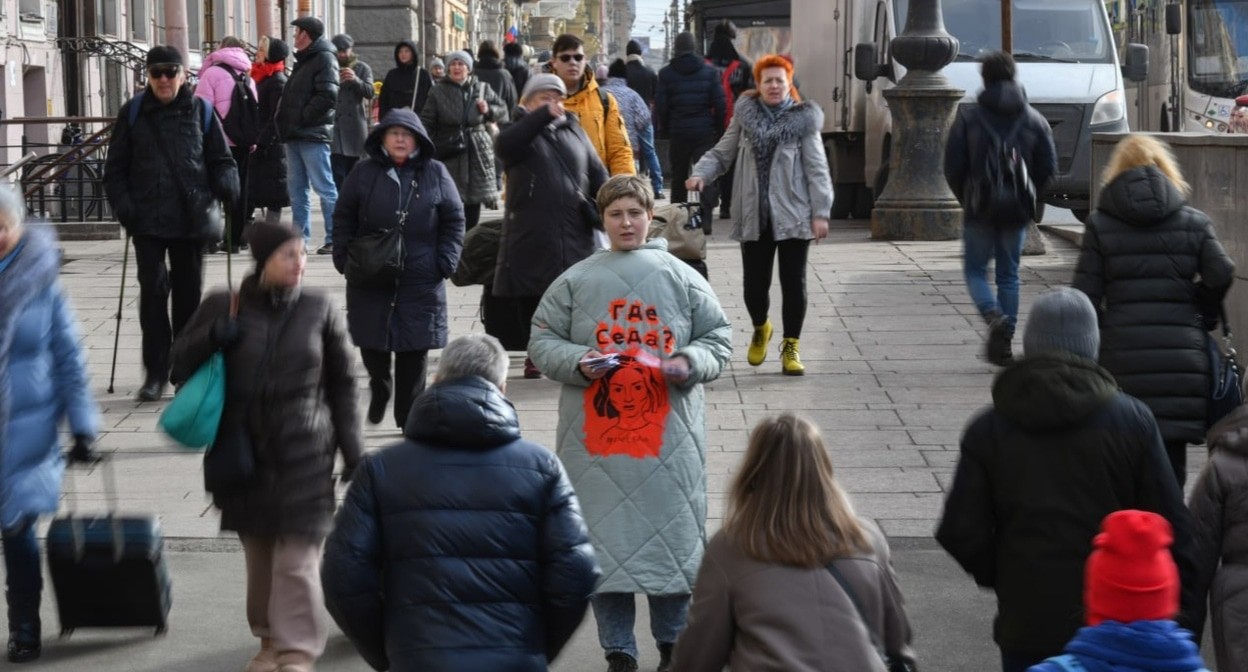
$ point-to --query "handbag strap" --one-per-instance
(576, 183)
(853, 597)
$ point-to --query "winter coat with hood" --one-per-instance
(639, 468)
(311, 96)
(604, 126)
(351, 115)
(1060, 449)
(689, 102)
(461, 548)
(537, 242)
(405, 85)
(519, 73)
(754, 616)
(1148, 262)
(635, 110)
(217, 76)
(1139, 646)
(291, 388)
(491, 71)
(1219, 507)
(413, 315)
(43, 378)
(266, 169)
(642, 78)
(146, 197)
(798, 161)
(1000, 106)
(452, 109)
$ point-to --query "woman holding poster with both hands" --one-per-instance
(632, 333)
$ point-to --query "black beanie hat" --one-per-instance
(617, 69)
(278, 50)
(634, 47)
(265, 238)
(685, 44)
(513, 49)
(164, 55)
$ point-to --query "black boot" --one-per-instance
(25, 630)
(152, 390)
(379, 398)
(621, 662)
(1000, 334)
(665, 657)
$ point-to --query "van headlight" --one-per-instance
(1109, 107)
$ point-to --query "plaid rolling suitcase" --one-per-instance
(108, 570)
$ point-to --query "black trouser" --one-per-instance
(757, 258)
(472, 215)
(1177, 452)
(241, 211)
(340, 165)
(409, 377)
(725, 188)
(684, 152)
(183, 278)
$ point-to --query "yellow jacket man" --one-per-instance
(597, 110)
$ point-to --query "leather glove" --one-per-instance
(82, 452)
(225, 332)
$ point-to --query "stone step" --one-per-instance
(91, 230)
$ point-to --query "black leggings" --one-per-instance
(1177, 452)
(472, 215)
(757, 258)
(409, 378)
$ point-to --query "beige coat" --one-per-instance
(754, 616)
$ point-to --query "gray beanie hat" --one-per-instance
(436, 63)
(1062, 321)
(342, 41)
(459, 56)
(543, 81)
(685, 44)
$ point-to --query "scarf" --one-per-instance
(768, 130)
(262, 71)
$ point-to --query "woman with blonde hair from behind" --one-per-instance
(794, 581)
(1154, 269)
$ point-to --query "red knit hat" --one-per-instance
(1131, 575)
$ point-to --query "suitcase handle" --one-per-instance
(79, 535)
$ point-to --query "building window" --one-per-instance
(139, 19)
(159, 30)
(195, 24)
(106, 14)
(220, 20)
(30, 8)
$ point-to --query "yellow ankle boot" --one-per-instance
(758, 344)
(790, 363)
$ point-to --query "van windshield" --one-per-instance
(1072, 31)
(1218, 47)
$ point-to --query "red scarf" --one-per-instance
(261, 71)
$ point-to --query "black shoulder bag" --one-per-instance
(375, 260)
(587, 206)
(889, 664)
(1225, 391)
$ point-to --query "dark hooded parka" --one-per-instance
(405, 85)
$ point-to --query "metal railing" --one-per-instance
(63, 182)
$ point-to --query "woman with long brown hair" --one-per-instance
(794, 575)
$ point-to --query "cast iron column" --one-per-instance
(917, 204)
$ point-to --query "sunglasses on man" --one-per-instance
(164, 71)
(571, 57)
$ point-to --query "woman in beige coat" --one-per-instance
(774, 589)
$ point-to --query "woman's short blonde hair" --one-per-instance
(1138, 151)
(625, 186)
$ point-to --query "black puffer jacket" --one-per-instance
(642, 79)
(297, 411)
(405, 85)
(1060, 449)
(519, 73)
(689, 101)
(1143, 250)
(462, 548)
(266, 169)
(1000, 104)
(311, 95)
(146, 197)
(491, 71)
(413, 315)
(539, 242)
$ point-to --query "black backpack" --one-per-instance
(1002, 191)
(242, 124)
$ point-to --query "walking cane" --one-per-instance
(121, 295)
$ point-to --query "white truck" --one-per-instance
(1067, 63)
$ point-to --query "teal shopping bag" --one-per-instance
(194, 414)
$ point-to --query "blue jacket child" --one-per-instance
(1131, 595)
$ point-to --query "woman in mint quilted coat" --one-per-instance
(633, 333)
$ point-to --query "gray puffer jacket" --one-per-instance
(797, 161)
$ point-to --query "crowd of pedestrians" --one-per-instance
(466, 546)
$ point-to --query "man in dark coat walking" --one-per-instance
(351, 116)
(306, 119)
(513, 60)
(1002, 111)
(406, 84)
(463, 547)
(1060, 449)
(163, 170)
(736, 76)
(489, 69)
(689, 111)
(641, 77)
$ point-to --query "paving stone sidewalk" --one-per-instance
(892, 346)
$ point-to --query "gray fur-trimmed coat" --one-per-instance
(798, 161)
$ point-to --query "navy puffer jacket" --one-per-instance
(462, 548)
(689, 102)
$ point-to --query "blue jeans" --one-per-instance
(21, 559)
(307, 165)
(649, 158)
(615, 615)
(984, 242)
